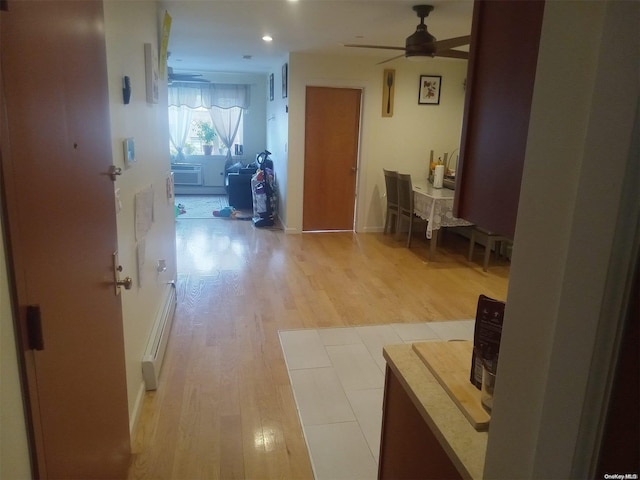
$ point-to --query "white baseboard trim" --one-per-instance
(371, 230)
(134, 415)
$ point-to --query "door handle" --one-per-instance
(114, 172)
(127, 282)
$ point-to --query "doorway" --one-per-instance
(332, 133)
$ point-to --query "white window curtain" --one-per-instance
(209, 95)
(225, 102)
(226, 122)
(179, 124)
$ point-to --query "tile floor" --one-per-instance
(337, 376)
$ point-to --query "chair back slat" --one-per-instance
(405, 194)
(391, 184)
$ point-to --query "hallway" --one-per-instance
(225, 408)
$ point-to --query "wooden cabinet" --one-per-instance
(500, 79)
(425, 434)
(408, 448)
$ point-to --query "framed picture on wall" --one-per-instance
(285, 80)
(429, 90)
(271, 87)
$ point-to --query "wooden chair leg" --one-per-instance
(487, 253)
(433, 243)
(472, 244)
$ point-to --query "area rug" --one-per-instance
(337, 378)
(203, 206)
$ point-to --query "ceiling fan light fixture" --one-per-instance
(418, 58)
(421, 43)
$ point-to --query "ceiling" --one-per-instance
(215, 35)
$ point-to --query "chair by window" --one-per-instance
(391, 184)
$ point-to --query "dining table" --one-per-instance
(435, 205)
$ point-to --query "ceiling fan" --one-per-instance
(422, 44)
(184, 77)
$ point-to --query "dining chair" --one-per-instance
(391, 184)
(405, 203)
(492, 241)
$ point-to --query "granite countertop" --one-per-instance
(465, 446)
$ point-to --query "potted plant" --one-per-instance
(206, 133)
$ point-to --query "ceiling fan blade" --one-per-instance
(374, 46)
(453, 54)
(450, 43)
(390, 59)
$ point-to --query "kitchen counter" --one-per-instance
(464, 446)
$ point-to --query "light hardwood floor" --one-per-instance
(225, 408)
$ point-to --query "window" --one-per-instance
(221, 105)
(193, 145)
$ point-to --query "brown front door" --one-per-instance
(55, 147)
(332, 129)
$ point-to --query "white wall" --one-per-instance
(129, 25)
(277, 129)
(14, 449)
(573, 255)
(402, 142)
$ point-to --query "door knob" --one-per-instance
(127, 283)
(114, 172)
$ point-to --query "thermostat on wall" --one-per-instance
(129, 152)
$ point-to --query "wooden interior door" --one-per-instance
(332, 130)
(60, 218)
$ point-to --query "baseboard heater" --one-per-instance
(157, 344)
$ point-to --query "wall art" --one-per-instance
(429, 92)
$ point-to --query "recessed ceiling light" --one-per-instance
(267, 38)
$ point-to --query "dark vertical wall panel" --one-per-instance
(501, 74)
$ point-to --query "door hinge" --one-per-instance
(34, 327)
